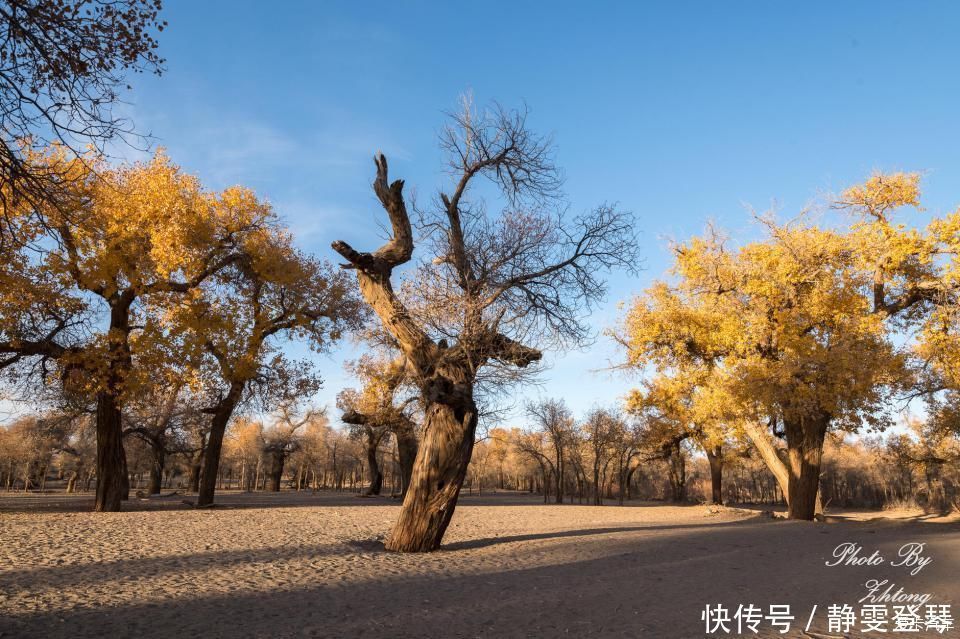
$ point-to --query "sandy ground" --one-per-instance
(302, 565)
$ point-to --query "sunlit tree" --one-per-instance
(786, 326)
(377, 411)
(62, 68)
(496, 287)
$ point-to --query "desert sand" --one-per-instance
(304, 565)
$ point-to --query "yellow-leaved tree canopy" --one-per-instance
(785, 327)
(794, 334)
(688, 404)
(376, 411)
(95, 294)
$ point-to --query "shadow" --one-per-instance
(927, 519)
(136, 568)
(641, 586)
(70, 575)
(589, 532)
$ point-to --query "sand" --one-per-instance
(303, 565)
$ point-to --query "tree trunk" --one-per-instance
(715, 457)
(804, 452)
(125, 477)
(559, 478)
(278, 458)
(72, 482)
(630, 482)
(156, 470)
(111, 465)
(112, 483)
(196, 465)
(438, 474)
(597, 501)
(376, 477)
(768, 453)
(218, 426)
(789, 475)
(678, 473)
(407, 446)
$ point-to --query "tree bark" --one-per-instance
(678, 473)
(446, 379)
(156, 470)
(376, 477)
(804, 452)
(559, 478)
(218, 426)
(278, 458)
(438, 474)
(112, 484)
(715, 457)
(407, 446)
(196, 466)
(792, 476)
(768, 453)
(125, 476)
(72, 482)
(597, 500)
(110, 458)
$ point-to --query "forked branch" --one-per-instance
(399, 249)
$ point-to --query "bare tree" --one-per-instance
(603, 428)
(555, 420)
(533, 445)
(494, 292)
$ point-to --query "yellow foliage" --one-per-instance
(104, 272)
(779, 326)
(882, 193)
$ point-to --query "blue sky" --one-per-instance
(680, 112)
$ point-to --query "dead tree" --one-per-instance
(494, 292)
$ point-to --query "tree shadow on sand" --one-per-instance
(585, 532)
(613, 586)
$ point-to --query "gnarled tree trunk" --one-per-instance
(801, 471)
(597, 498)
(771, 458)
(72, 482)
(112, 482)
(445, 375)
(196, 465)
(559, 478)
(277, 461)
(438, 473)
(156, 470)
(407, 446)
(125, 475)
(677, 463)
